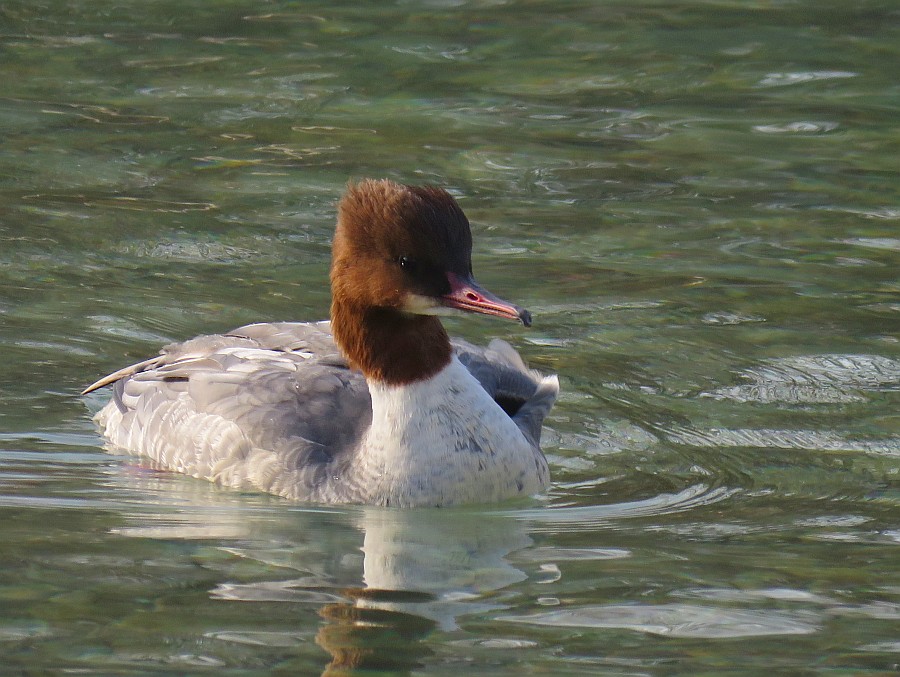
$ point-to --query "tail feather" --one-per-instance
(122, 373)
(530, 416)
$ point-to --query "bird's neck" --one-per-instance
(388, 345)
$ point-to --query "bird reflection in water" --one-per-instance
(420, 571)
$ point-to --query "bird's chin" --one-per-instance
(417, 304)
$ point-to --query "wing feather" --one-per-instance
(273, 391)
(258, 406)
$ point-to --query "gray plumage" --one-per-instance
(279, 398)
(277, 407)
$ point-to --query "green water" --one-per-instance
(698, 202)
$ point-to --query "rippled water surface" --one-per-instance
(699, 203)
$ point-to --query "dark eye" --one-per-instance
(406, 263)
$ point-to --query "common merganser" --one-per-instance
(379, 406)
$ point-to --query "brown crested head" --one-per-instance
(395, 243)
(402, 254)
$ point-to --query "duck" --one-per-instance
(376, 406)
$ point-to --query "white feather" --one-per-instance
(444, 441)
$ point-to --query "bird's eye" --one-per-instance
(406, 263)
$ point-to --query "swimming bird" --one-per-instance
(378, 406)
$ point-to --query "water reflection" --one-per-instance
(680, 620)
(381, 580)
(456, 557)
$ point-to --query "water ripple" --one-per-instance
(20, 631)
(799, 127)
(591, 516)
(889, 243)
(727, 318)
(794, 394)
(738, 595)
(794, 78)
(273, 591)
(767, 438)
(142, 204)
(679, 620)
(193, 251)
(435, 54)
(835, 378)
(551, 554)
(258, 637)
(103, 115)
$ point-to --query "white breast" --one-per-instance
(443, 441)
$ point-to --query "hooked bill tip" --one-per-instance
(525, 316)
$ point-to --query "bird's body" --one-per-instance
(378, 406)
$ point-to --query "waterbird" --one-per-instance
(378, 405)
